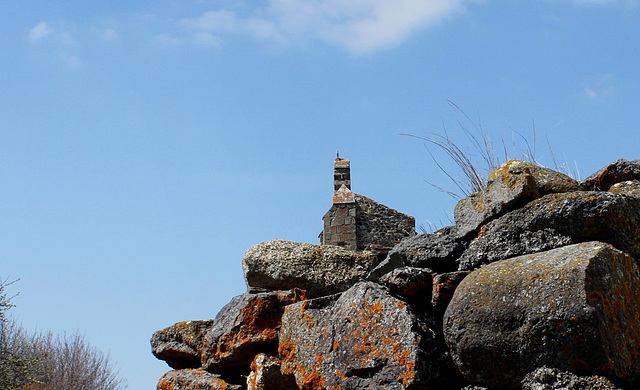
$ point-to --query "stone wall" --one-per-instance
(378, 227)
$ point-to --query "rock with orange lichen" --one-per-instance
(193, 379)
(180, 345)
(318, 269)
(616, 172)
(509, 187)
(556, 220)
(574, 308)
(265, 375)
(246, 326)
(362, 339)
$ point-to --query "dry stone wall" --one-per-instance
(535, 287)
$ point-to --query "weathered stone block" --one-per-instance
(318, 269)
(180, 345)
(362, 339)
(556, 220)
(265, 375)
(509, 187)
(246, 326)
(575, 308)
(617, 171)
(193, 379)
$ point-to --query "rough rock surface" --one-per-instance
(573, 308)
(546, 378)
(556, 220)
(617, 171)
(410, 283)
(436, 251)
(180, 345)
(509, 187)
(363, 339)
(265, 375)
(246, 326)
(444, 285)
(193, 379)
(319, 270)
(629, 187)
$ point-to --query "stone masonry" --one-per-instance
(356, 222)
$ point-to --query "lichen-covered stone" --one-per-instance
(444, 285)
(246, 326)
(193, 379)
(617, 171)
(629, 188)
(509, 187)
(362, 339)
(556, 220)
(265, 375)
(546, 378)
(318, 269)
(180, 345)
(436, 251)
(574, 308)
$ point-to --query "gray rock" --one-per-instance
(246, 326)
(617, 171)
(556, 220)
(413, 285)
(362, 339)
(319, 270)
(629, 187)
(193, 379)
(509, 187)
(265, 375)
(436, 251)
(574, 308)
(180, 345)
(546, 378)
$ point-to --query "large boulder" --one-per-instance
(556, 220)
(574, 308)
(361, 339)
(617, 171)
(546, 378)
(246, 326)
(180, 345)
(193, 379)
(509, 187)
(318, 269)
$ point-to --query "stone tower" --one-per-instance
(356, 222)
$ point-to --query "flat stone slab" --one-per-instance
(318, 269)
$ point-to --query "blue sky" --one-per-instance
(144, 146)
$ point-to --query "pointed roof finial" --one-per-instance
(338, 155)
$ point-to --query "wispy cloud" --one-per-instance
(39, 31)
(602, 87)
(359, 26)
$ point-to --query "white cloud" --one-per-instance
(360, 26)
(590, 93)
(109, 35)
(38, 32)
